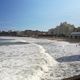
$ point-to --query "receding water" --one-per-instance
(10, 42)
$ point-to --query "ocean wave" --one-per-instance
(50, 62)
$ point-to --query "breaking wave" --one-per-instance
(21, 56)
(50, 61)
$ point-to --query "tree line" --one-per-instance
(64, 30)
(8, 33)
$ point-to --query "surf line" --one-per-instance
(50, 61)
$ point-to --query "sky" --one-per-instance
(38, 14)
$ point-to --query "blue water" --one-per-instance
(10, 42)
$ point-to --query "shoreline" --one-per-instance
(70, 40)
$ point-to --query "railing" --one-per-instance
(73, 78)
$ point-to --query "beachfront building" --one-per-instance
(75, 35)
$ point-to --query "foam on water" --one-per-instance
(50, 59)
(24, 62)
(36, 62)
(44, 68)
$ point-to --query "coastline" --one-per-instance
(66, 39)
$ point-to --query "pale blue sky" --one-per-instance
(38, 14)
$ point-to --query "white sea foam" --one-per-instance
(24, 62)
(50, 59)
(36, 61)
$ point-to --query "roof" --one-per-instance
(75, 33)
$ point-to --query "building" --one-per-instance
(75, 35)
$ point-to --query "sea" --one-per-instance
(24, 58)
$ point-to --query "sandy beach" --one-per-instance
(39, 59)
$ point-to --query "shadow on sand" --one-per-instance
(69, 58)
